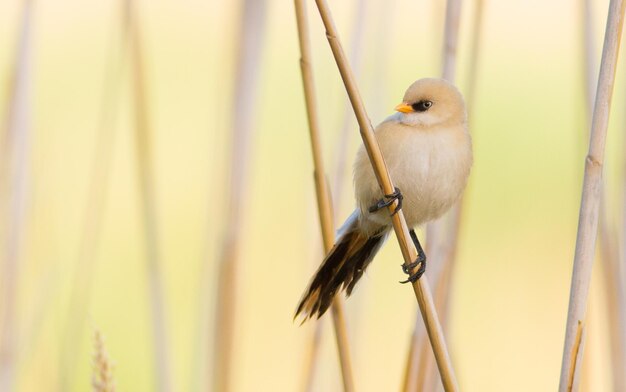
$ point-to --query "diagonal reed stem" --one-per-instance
(324, 204)
(145, 173)
(420, 287)
(590, 204)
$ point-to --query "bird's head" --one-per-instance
(431, 102)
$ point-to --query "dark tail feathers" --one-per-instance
(341, 269)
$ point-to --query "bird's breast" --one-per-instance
(430, 167)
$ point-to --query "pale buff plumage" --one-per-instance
(429, 156)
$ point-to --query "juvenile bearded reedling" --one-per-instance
(428, 151)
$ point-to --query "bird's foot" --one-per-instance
(387, 200)
(407, 268)
(421, 261)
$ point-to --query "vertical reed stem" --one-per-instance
(324, 204)
(95, 205)
(145, 173)
(344, 134)
(616, 302)
(420, 287)
(442, 235)
(251, 35)
(451, 39)
(620, 281)
(591, 194)
(17, 139)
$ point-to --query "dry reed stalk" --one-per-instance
(475, 50)
(409, 379)
(589, 50)
(427, 376)
(622, 260)
(420, 287)
(95, 205)
(145, 174)
(616, 302)
(17, 139)
(386, 15)
(419, 372)
(443, 234)
(312, 351)
(322, 192)
(251, 34)
(591, 195)
(102, 377)
(450, 247)
(451, 39)
(622, 239)
(419, 358)
(311, 356)
(346, 128)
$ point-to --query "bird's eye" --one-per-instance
(422, 106)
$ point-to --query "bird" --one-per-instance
(427, 147)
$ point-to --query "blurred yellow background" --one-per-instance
(511, 286)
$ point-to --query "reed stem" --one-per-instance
(616, 302)
(17, 146)
(251, 37)
(145, 174)
(443, 234)
(340, 152)
(420, 287)
(590, 204)
(324, 203)
(104, 147)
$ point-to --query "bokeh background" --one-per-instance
(510, 286)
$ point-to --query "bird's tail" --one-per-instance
(341, 269)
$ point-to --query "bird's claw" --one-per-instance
(387, 200)
(407, 268)
(421, 261)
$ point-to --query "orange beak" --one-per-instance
(404, 108)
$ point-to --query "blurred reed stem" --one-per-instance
(590, 204)
(420, 375)
(409, 379)
(621, 270)
(95, 205)
(614, 291)
(16, 147)
(341, 151)
(420, 287)
(322, 191)
(475, 51)
(251, 37)
(311, 358)
(145, 172)
(443, 234)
